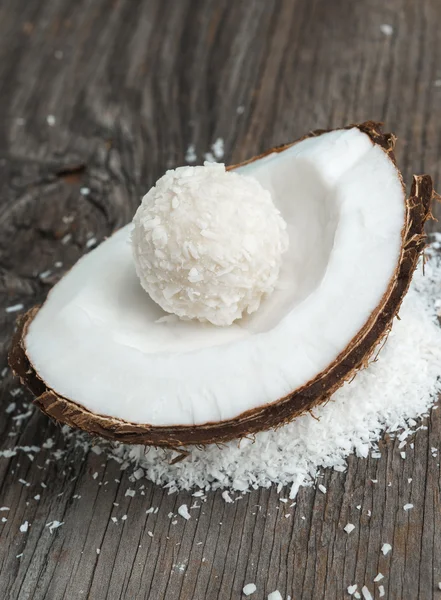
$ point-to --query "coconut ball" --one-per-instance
(208, 243)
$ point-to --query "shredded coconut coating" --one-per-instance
(208, 243)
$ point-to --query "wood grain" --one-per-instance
(131, 84)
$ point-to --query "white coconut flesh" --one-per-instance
(100, 341)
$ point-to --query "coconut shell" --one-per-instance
(317, 391)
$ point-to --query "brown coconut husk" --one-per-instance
(317, 391)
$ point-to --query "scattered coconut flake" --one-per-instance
(14, 308)
(19, 555)
(352, 589)
(98, 550)
(54, 525)
(84, 191)
(10, 408)
(226, 496)
(4, 519)
(240, 110)
(275, 595)
(381, 591)
(218, 149)
(45, 274)
(24, 527)
(95, 475)
(437, 83)
(408, 506)
(91, 242)
(51, 120)
(130, 493)
(124, 518)
(366, 593)
(386, 29)
(249, 589)
(114, 519)
(378, 577)
(322, 488)
(58, 264)
(349, 527)
(190, 155)
(96, 450)
(386, 548)
(403, 455)
(22, 416)
(183, 511)
(138, 474)
(66, 239)
(4, 508)
(8, 453)
(23, 482)
(404, 434)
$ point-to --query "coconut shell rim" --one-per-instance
(317, 391)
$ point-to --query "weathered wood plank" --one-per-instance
(131, 84)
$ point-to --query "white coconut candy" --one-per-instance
(208, 243)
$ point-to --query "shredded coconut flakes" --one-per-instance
(183, 511)
(386, 548)
(366, 593)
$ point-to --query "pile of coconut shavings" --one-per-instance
(395, 390)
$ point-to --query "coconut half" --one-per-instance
(100, 355)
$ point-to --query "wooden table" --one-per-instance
(107, 95)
